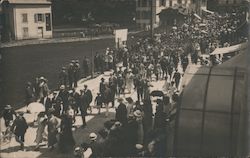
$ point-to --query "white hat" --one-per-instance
(137, 113)
(42, 78)
(139, 146)
(92, 136)
(62, 87)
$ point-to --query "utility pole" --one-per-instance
(152, 18)
(92, 55)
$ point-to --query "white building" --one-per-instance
(144, 12)
(28, 19)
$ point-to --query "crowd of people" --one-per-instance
(142, 131)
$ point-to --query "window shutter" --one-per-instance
(35, 18)
(43, 17)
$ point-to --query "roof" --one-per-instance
(209, 121)
(240, 60)
(29, 1)
(230, 49)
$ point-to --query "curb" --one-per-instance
(55, 40)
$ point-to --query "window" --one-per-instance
(162, 2)
(170, 3)
(39, 18)
(144, 3)
(48, 22)
(25, 18)
(25, 32)
(179, 1)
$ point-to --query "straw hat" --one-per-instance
(62, 87)
(42, 78)
(92, 136)
(137, 113)
(120, 99)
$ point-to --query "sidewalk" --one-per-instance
(94, 124)
(56, 40)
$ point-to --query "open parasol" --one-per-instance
(36, 107)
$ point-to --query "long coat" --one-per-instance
(40, 130)
(66, 141)
(52, 131)
(121, 113)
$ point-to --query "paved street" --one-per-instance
(94, 124)
(24, 63)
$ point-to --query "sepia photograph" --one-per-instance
(124, 78)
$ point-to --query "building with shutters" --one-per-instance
(150, 9)
(26, 19)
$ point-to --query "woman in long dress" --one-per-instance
(52, 129)
(129, 81)
(41, 121)
(66, 141)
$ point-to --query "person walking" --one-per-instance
(66, 140)
(8, 114)
(121, 112)
(76, 73)
(107, 98)
(64, 95)
(98, 102)
(46, 101)
(129, 80)
(83, 107)
(89, 97)
(43, 89)
(19, 128)
(63, 76)
(29, 95)
(41, 121)
(177, 77)
(71, 74)
(53, 125)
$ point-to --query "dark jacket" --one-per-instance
(19, 126)
(47, 103)
(121, 113)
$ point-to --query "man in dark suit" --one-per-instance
(64, 95)
(46, 101)
(89, 97)
(177, 77)
(121, 112)
(83, 107)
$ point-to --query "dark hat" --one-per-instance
(102, 79)
(129, 99)
(20, 113)
(85, 86)
(51, 110)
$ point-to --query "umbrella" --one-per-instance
(36, 107)
(157, 93)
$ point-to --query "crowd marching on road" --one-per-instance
(141, 129)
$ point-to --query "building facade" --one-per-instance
(150, 9)
(224, 5)
(26, 19)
